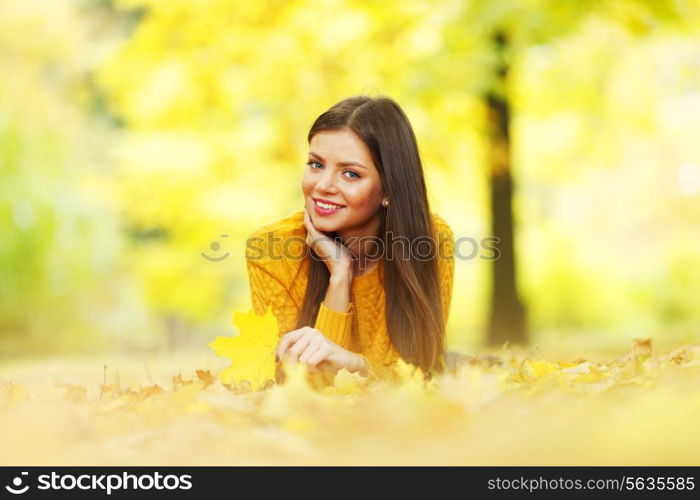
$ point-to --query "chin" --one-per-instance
(326, 226)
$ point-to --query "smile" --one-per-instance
(326, 208)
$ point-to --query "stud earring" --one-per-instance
(385, 203)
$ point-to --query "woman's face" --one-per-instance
(340, 171)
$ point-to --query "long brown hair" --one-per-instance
(413, 308)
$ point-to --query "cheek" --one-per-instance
(306, 184)
(361, 196)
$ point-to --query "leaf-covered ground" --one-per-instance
(508, 408)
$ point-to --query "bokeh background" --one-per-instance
(136, 135)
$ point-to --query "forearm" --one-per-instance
(338, 299)
(338, 293)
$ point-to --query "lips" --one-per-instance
(329, 205)
(325, 210)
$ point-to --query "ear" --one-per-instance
(384, 197)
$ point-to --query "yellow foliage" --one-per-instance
(483, 411)
(252, 351)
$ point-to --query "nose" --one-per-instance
(327, 182)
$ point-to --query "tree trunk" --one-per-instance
(507, 320)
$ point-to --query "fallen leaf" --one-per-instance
(251, 352)
(205, 377)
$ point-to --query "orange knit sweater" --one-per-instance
(278, 263)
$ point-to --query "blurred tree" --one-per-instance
(217, 97)
(507, 320)
(213, 101)
(509, 28)
(61, 253)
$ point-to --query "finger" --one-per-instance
(325, 366)
(312, 233)
(310, 351)
(287, 340)
(307, 221)
(298, 347)
(318, 356)
(312, 230)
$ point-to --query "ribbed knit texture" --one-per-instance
(279, 278)
(337, 326)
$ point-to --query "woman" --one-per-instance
(363, 275)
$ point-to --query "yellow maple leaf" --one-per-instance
(532, 369)
(252, 351)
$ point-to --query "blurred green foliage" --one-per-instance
(135, 134)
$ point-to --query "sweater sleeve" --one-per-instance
(267, 284)
(269, 288)
(335, 325)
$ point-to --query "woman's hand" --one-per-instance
(308, 345)
(336, 256)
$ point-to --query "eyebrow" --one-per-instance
(341, 163)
